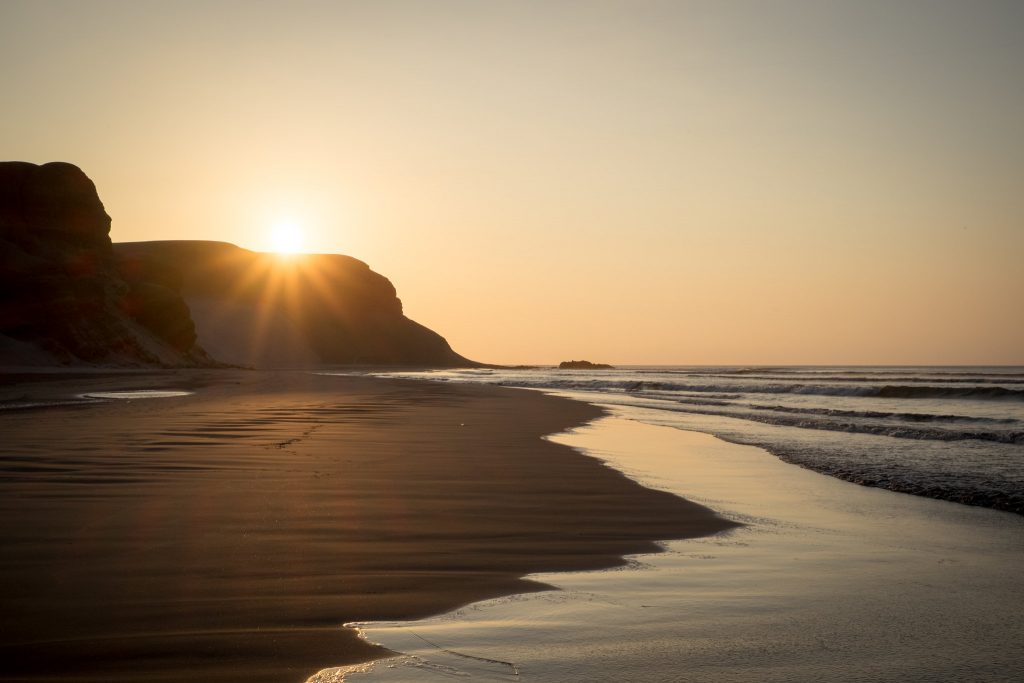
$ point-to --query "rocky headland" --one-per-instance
(70, 296)
(268, 310)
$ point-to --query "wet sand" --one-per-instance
(228, 534)
(827, 581)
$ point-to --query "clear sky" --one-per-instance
(628, 182)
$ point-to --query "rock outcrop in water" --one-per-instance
(269, 310)
(63, 295)
(582, 365)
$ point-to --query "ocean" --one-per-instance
(824, 581)
(952, 433)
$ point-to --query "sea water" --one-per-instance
(954, 433)
(826, 581)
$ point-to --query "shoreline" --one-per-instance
(232, 531)
(826, 580)
(939, 433)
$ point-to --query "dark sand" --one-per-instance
(227, 535)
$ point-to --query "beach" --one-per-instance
(825, 581)
(228, 532)
(512, 342)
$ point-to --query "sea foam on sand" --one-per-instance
(827, 581)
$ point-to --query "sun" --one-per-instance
(286, 237)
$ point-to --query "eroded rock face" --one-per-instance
(61, 287)
(55, 202)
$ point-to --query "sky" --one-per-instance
(628, 182)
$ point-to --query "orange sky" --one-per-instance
(629, 182)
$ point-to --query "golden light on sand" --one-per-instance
(286, 237)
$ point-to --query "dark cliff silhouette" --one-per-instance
(63, 297)
(269, 310)
(67, 295)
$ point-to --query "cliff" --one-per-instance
(266, 310)
(63, 298)
(67, 295)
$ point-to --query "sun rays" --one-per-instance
(283, 291)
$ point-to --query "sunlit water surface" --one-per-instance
(91, 397)
(136, 394)
(827, 581)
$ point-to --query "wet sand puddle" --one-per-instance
(130, 395)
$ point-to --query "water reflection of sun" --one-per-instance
(286, 237)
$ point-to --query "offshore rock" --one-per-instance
(582, 365)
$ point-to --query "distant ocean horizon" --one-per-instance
(948, 432)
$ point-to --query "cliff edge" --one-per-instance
(63, 297)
